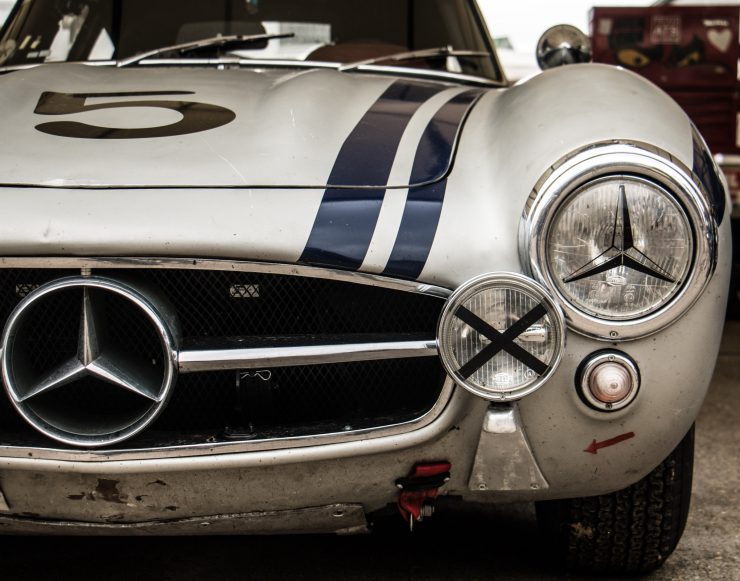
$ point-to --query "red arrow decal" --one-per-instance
(595, 446)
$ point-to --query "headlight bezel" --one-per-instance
(620, 159)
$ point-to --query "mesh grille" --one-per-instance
(278, 402)
(222, 304)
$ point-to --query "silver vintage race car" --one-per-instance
(278, 265)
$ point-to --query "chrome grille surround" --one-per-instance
(195, 361)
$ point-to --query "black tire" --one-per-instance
(631, 531)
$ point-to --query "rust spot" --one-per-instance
(158, 483)
(108, 491)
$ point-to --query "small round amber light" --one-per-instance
(608, 381)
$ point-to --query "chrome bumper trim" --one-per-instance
(260, 452)
(434, 424)
(333, 518)
(234, 359)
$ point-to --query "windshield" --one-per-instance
(342, 31)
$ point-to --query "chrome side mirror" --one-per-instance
(563, 45)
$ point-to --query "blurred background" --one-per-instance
(517, 26)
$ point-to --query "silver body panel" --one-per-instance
(509, 140)
(294, 120)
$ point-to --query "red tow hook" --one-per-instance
(420, 489)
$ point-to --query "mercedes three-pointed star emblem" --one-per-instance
(112, 363)
(622, 251)
(92, 361)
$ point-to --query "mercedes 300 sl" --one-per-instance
(278, 265)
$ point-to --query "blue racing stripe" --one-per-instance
(424, 203)
(347, 217)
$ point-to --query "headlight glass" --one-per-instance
(501, 336)
(619, 248)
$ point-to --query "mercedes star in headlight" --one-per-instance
(621, 234)
(620, 248)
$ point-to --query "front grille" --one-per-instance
(256, 404)
(221, 304)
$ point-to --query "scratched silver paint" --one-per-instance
(294, 121)
(510, 139)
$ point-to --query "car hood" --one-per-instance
(68, 125)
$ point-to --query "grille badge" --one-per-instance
(104, 364)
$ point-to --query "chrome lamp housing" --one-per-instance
(624, 236)
(501, 336)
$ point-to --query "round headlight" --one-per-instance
(619, 248)
(624, 236)
(501, 336)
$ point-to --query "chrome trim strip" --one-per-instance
(283, 63)
(225, 265)
(240, 61)
(193, 361)
(293, 64)
(424, 74)
(613, 158)
(435, 423)
(27, 66)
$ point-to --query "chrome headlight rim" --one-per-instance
(519, 282)
(639, 161)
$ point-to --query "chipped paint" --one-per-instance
(107, 490)
(157, 482)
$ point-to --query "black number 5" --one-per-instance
(196, 117)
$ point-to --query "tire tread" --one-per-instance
(630, 531)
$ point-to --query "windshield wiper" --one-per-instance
(439, 52)
(225, 42)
